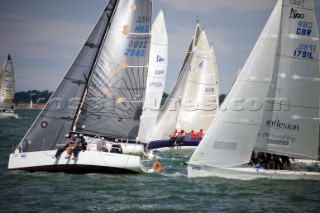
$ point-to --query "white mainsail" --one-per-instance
(274, 102)
(200, 99)
(158, 61)
(193, 102)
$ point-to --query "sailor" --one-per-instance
(174, 137)
(200, 135)
(71, 145)
(64, 147)
(192, 135)
(181, 137)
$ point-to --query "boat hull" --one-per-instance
(248, 173)
(164, 145)
(8, 115)
(88, 161)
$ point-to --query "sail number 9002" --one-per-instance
(134, 48)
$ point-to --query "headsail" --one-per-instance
(7, 85)
(56, 119)
(156, 78)
(113, 103)
(230, 139)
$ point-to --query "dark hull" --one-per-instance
(166, 144)
(76, 169)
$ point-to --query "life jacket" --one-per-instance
(192, 135)
(175, 134)
(199, 135)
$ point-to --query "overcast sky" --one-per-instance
(44, 36)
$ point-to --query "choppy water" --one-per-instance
(170, 191)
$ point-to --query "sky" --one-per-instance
(45, 36)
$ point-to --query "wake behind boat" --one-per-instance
(7, 89)
(280, 83)
(100, 97)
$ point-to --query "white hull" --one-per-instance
(127, 148)
(248, 173)
(88, 161)
(8, 115)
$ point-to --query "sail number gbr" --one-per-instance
(136, 48)
(305, 51)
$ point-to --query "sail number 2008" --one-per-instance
(134, 48)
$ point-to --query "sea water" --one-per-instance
(169, 191)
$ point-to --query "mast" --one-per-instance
(113, 104)
(113, 4)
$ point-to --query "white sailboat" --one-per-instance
(7, 89)
(100, 96)
(273, 106)
(194, 101)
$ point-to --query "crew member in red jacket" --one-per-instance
(181, 137)
(200, 135)
(192, 135)
(174, 137)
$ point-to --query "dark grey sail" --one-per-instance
(57, 118)
(113, 103)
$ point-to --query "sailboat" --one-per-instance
(193, 102)
(273, 106)
(7, 89)
(101, 97)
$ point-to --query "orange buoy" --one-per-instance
(157, 167)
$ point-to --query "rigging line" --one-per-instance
(131, 81)
(292, 57)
